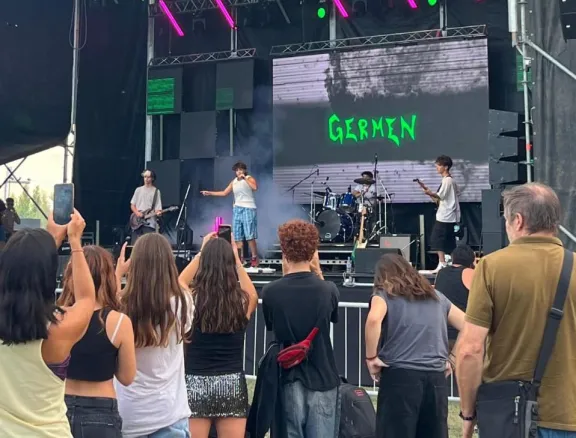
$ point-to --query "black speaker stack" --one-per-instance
(507, 167)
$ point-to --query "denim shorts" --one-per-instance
(93, 417)
(177, 430)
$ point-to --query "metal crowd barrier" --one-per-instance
(258, 337)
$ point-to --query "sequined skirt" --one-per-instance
(219, 396)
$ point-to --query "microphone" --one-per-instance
(350, 189)
(375, 158)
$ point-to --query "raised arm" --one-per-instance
(224, 192)
(252, 182)
(73, 325)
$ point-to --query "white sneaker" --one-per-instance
(434, 271)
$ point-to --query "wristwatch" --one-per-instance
(467, 418)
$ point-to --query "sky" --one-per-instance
(43, 169)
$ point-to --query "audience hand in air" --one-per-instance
(122, 265)
(375, 368)
(76, 226)
(207, 239)
(57, 231)
(205, 193)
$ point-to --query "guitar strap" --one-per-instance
(154, 199)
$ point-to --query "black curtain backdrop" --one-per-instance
(555, 109)
(111, 114)
(35, 76)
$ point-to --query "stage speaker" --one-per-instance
(167, 180)
(235, 84)
(198, 135)
(493, 223)
(568, 18)
(506, 148)
(400, 241)
(366, 259)
(492, 242)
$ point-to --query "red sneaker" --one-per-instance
(255, 262)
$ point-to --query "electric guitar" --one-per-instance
(360, 243)
(421, 184)
(138, 222)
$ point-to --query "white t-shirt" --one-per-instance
(449, 208)
(157, 398)
(142, 200)
(243, 194)
(369, 193)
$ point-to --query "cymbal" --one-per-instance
(364, 181)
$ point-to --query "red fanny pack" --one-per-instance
(295, 354)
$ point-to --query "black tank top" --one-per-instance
(94, 358)
(449, 282)
(215, 353)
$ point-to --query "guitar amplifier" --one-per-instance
(400, 241)
(366, 259)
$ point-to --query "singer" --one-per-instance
(244, 218)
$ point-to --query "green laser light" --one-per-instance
(321, 12)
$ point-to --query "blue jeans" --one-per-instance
(177, 430)
(553, 433)
(311, 414)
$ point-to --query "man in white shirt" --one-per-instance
(146, 197)
(366, 191)
(443, 239)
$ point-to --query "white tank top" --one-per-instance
(243, 194)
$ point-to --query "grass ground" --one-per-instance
(454, 422)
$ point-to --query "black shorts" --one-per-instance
(443, 237)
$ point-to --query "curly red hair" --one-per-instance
(298, 240)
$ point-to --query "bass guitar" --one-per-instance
(138, 222)
(421, 184)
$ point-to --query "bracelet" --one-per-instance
(371, 358)
(77, 250)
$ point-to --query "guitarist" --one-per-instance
(443, 239)
(146, 197)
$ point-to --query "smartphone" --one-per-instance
(225, 232)
(128, 252)
(63, 203)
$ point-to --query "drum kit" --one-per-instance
(339, 219)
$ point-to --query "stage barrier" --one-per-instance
(252, 356)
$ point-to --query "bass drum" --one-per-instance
(334, 226)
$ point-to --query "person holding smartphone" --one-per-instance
(244, 218)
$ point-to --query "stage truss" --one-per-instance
(203, 57)
(380, 40)
(191, 6)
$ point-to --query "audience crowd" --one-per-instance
(134, 349)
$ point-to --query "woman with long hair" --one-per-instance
(224, 300)
(155, 404)
(105, 351)
(407, 351)
(36, 335)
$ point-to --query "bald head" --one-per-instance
(536, 204)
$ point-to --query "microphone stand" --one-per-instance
(181, 227)
(307, 177)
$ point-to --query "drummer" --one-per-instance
(365, 188)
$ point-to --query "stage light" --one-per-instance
(217, 222)
(321, 12)
(226, 14)
(341, 9)
(432, 2)
(173, 21)
(413, 4)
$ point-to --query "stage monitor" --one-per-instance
(403, 105)
(164, 91)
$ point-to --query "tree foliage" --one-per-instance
(27, 209)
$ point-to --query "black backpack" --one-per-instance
(357, 414)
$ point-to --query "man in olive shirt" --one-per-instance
(508, 305)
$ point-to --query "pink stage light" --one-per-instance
(341, 9)
(226, 14)
(413, 4)
(173, 21)
(217, 222)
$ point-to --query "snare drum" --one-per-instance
(348, 202)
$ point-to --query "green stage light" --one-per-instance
(432, 2)
(321, 12)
